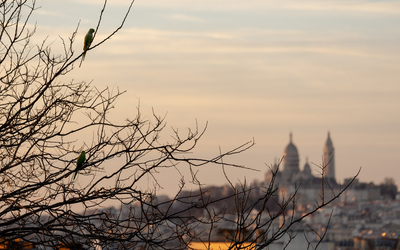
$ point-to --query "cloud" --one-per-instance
(133, 41)
(183, 17)
(100, 2)
(389, 7)
(48, 13)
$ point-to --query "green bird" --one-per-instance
(79, 162)
(88, 40)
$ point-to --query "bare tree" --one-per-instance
(41, 126)
(39, 133)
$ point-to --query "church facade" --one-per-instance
(289, 177)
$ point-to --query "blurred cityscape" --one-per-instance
(365, 216)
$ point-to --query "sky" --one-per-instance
(252, 70)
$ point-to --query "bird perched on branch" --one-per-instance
(79, 162)
(88, 40)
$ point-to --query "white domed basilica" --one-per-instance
(289, 176)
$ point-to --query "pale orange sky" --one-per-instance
(253, 69)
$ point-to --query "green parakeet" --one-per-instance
(79, 162)
(88, 40)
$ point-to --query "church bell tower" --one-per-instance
(329, 159)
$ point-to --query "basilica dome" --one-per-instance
(307, 169)
(290, 160)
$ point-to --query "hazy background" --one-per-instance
(251, 69)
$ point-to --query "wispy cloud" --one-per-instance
(228, 5)
(236, 42)
(183, 17)
(47, 13)
(389, 7)
(100, 3)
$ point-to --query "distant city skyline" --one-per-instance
(253, 69)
